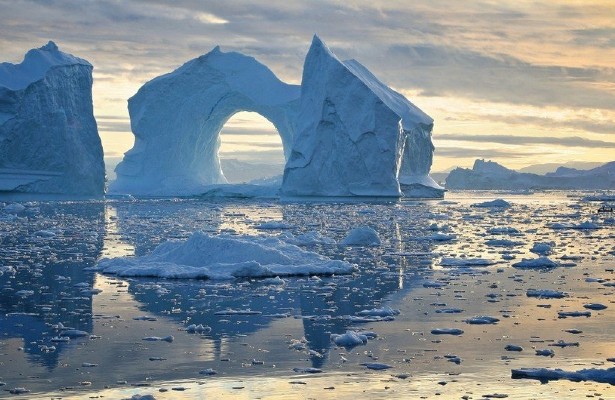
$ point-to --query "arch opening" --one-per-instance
(251, 149)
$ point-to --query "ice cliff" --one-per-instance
(488, 175)
(352, 133)
(49, 141)
(176, 119)
(344, 132)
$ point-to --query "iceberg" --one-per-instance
(353, 132)
(176, 119)
(49, 141)
(344, 133)
(224, 257)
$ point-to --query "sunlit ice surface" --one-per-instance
(426, 268)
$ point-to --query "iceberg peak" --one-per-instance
(50, 46)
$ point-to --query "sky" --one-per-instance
(518, 82)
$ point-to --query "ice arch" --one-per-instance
(176, 153)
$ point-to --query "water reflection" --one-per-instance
(43, 281)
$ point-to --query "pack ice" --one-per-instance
(49, 142)
(344, 132)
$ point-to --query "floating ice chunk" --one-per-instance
(274, 225)
(536, 263)
(376, 366)
(274, 281)
(434, 284)
(497, 203)
(368, 319)
(545, 352)
(562, 344)
(447, 331)
(309, 370)
(74, 333)
(544, 375)
(546, 293)
(45, 233)
(225, 257)
(200, 328)
(88, 365)
(142, 397)
(595, 306)
(349, 339)
(453, 358)
(167, 339)
(465, 262)
(208, 372)
(482, 320)
(502, 243)
(14, 208)
(440, 237)
(379, 312)
(565, 314)
(19, 390)
(230, 311)
(449, 310)
(503, 230)
(542, 249)
(362, 236)
(586, 225)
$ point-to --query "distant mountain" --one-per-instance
(542, 169)
(236, 171)
(487, 175)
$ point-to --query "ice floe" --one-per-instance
(204, 256)
(362, 236)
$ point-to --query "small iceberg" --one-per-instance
(203, 256)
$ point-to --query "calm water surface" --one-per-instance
(45, 252)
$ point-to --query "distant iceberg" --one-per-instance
(49, 141)
(489, 175)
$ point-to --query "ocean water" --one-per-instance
(440, 264)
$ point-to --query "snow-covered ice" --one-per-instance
(204, 256)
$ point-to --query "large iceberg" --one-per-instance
(489, 175)
(352, 133)
(49, 141)
(176, 119)
(344, 132)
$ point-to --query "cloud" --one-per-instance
(443, 70)
(570, 141)
(461, 152)
(583, 124)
